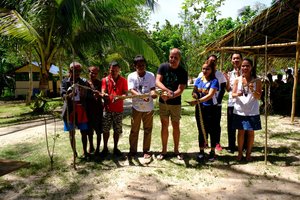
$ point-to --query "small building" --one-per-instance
(22, 77)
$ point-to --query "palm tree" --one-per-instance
(50, 26)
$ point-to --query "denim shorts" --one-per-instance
(248, 123)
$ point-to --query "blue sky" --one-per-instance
(169, 9)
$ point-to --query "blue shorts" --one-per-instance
(248, 123)
(70, 127)
(81, 120)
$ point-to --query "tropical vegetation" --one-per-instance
(96, 32)
(50, 29)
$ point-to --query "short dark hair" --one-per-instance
(238, 54)
(139, 58)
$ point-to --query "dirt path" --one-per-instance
(28, 131)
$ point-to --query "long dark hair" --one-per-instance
(212, 55)
(212, 66)
(253, 68)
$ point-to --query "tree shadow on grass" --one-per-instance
(284, 136)
(42, 185)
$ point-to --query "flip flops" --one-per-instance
(179, 156)
(160, 156)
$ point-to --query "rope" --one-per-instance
(202, 124)
(117, 97)
(197, 102)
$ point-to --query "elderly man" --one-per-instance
(74, 97)
(171, 79)
(141, 82)
(113, 85)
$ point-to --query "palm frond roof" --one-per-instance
(279, 23)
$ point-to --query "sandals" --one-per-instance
(147, 156)
(161, 156)
(179, 156)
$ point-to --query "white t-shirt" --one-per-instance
(143, 85)
(246, 105)
(221, 79)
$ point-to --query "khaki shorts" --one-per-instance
(173, 111)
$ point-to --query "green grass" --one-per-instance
(12, 112)
(64, 182)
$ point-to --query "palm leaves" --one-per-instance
(51, 25)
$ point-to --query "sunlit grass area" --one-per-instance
(65, 182)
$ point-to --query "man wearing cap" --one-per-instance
(172, 79)
(95, 109)
(113, 85)
(141, 82)
(74, 97)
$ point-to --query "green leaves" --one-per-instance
(76, 26)
(12, 24)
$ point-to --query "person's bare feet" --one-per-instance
(248, 158)
(239, 157)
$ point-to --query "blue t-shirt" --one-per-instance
(203, 89)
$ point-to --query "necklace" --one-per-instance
(141, 86)
(245, 86)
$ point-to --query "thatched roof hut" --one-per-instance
(279, 23)
(275, 33)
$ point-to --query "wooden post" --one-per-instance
(222, 61)
(30, 89)
(266, 102)
(296, 73)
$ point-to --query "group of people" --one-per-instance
(279, 90)
(242, 111)
(97, 105)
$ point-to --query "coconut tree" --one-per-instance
(50, 26)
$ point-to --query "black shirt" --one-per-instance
(171, 78)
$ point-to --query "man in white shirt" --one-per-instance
(141, 82)
(236, 61)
